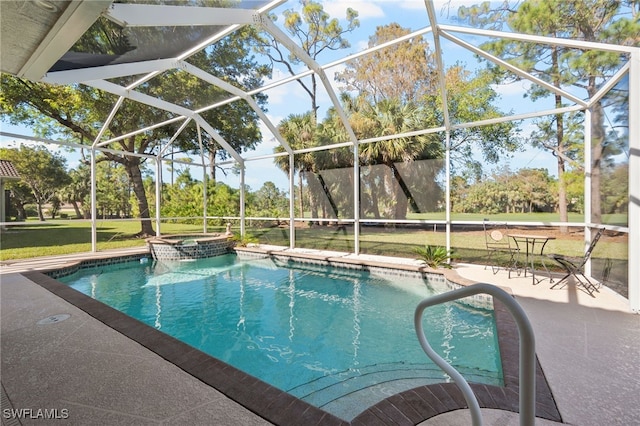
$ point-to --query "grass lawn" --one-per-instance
(55, 237)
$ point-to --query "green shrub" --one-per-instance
(244, 241)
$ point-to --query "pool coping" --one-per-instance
(409, 407)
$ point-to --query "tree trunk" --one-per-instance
(375, 207)
(301, 195)
(562, 183)
(402, 203)
(22, 213)
(312, 187)
(76, 208)
(40, 214)
(327, 193)
(212, 165)
(135, 176)
(314, 101)
(597, 154)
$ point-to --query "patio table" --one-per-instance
(533, 247)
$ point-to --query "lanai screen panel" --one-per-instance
(109, 42)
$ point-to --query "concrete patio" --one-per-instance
(84, 372)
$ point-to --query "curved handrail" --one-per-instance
(527, 349)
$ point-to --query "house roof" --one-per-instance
(8, 171)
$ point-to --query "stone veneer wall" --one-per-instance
(197, 249)
(94, 263)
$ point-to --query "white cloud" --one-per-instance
(366, 9)
(411, 4)
(443, 8)
(517, 88)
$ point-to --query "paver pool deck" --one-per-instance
(84, 372)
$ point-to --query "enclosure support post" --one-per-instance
(158, 192)
(94, 210)
(634, 181)
(447, 168)
(242, 209)
(587, 186)
(356, 198)
(292, 224)
(204, 181)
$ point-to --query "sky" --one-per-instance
(290, 98)
(410, 14)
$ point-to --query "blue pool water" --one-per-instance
(334, 337)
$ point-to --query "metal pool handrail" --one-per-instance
(527, 350)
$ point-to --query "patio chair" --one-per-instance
(497, 241)
(574, 267)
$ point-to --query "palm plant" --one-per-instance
(386, 118)
(434, 256)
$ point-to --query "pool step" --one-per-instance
(348, 393)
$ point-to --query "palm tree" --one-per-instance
(387, 118)
(299, 131)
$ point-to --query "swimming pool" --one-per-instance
(338, 339)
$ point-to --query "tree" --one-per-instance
(113, 190)
(316, 33)
(21, 195)
(615, 190)
(526, 190)
(183, 198)
(231, 60)
(78, 190)
(45, 173)
(589, 20)
(269, 201)
(405, 71)
(300, 132)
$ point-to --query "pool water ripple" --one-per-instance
(339, 339)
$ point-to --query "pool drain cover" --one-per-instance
(54, 319)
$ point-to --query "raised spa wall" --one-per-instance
(186, 247)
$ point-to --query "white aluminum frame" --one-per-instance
(82, 15)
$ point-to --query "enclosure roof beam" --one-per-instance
(279, 35)
(174, 137)
(517, 117)
(166, 106)
(209, 78)
(76, 19)
(204, 44)
(108, 121)
(109, 71)
(438, 53)
(308, 72)
(139, 131)
(139, 97)
(610, 84)
(150, 15)
(216, 136)
(577, 44)
(514, 69)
